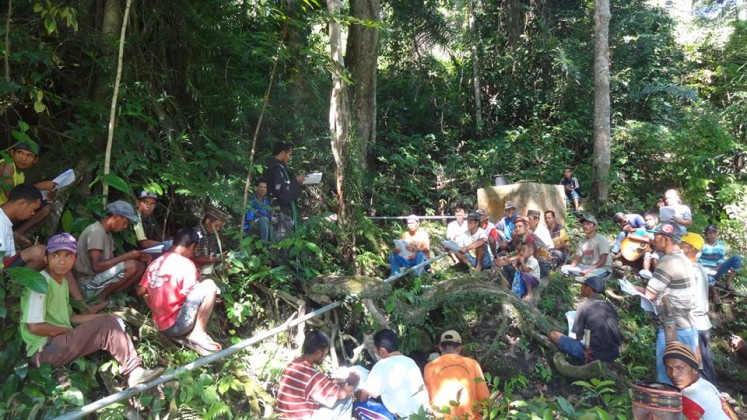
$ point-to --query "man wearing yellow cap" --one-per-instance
(691, 244)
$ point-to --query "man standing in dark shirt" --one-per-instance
(597, 316)
(283, 189)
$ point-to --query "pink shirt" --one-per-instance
(168, 280)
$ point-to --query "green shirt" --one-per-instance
(53, 308)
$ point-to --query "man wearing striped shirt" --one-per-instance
(307, 393)
(672, 280)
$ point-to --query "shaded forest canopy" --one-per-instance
(198, 76)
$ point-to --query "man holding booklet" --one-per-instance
(412, 249)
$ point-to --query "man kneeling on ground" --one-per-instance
(46, 322)
(475, 252)
(181, 306)
(597, 316)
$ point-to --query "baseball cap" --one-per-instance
(451, 336)
(122, 208)
(62, 241)
(533, 213)
(474, 216)
(509, 205)
(589, 218)
(596, 283)
(413, 218)
(146, 194)
(710, 228)
(694, 240)
(28, 145)
(667, 229)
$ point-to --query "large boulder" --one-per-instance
(526, 196)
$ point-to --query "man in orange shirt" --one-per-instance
(451, 377)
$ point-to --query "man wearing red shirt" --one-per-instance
(180, 304)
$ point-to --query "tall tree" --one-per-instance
(339, 127)
(475, 63)
(601, 163)
(361, 57)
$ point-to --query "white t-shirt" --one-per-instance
(532, 263)
(679, 211)
(700, 292)
(544, 234)
(454, 230)
(7, 243)
(702, 400)
(399, 383)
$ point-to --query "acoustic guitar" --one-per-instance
(633, 247)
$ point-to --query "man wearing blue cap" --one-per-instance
(98, 271)
(672, 282)
(597, 316)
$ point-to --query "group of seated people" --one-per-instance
(678, 266)
(89, 270)
(448, 386)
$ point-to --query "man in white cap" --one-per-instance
(455, 378)
(98, 271)
(418, 248)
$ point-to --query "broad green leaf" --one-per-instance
(67, 221)
(28, 277)
(73, 396)
(116, 182)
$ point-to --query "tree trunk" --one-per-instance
(601, 164)
(475, 64)
(361, 57)
(339, 127)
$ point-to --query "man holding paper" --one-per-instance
(474, 250)
(597, 316)
(412, 249)
(671, 281)
(283, 189)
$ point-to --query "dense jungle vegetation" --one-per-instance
(462, 91)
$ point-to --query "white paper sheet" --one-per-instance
(451, 245)
(312, 178)
(402, 245)
(646, 303)
(63, 180)
(570, 316)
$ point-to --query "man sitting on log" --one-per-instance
(208, 253)
(593, 254)
(180, 304)
(418, 247)
(599, 318)
(474, 251)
